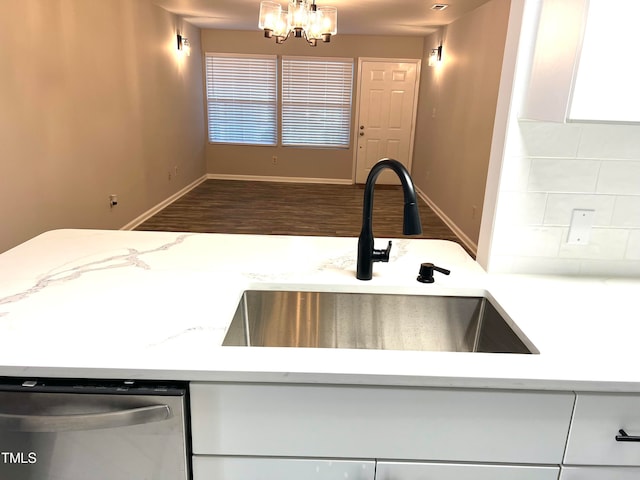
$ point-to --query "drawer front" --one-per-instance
(599, 473)
(247, 468)
(377, 422)
(452, 471)
(596, 422)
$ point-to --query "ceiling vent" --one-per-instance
(439, 6)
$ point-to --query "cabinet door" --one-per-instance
(452, 471)
(379, 422)
(606, 83)
(251, 468)
(599, 473)
(597, 419)
(583, 67)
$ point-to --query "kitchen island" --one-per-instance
(150, 305)
(116, 304)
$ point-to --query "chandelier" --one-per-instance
(303, 20)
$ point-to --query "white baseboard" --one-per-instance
(152, 211)
(257, 178)
(472, 246)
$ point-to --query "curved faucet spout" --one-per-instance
(367, 254)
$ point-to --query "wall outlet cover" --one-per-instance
(580, 228)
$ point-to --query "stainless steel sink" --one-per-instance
(373, 321)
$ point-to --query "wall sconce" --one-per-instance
(184, 45)
(436, 56)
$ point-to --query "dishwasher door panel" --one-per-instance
(69, 436)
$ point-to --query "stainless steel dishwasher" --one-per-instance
(78, 430)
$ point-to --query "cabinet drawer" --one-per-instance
(467, 471)
(596, 421)
(247, 468)
(599, 473)
(378, 422)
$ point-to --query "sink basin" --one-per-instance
(373, 321)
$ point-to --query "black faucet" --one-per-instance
(367, 254)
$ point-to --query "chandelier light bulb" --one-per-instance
(269, 14)
(329, 20)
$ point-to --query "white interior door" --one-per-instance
(387, 101)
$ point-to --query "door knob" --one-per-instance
(361, 127)
(362, 134)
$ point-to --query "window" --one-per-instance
(241, 98)
(316, 101)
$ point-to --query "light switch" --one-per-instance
(580, 228)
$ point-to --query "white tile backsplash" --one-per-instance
(562, 175)
(524, 208)
(549, 266)
(619, 177)
(561, 205)
(604, 244)
(633, 247)
(626, 212)
(610, 268)
(565, 167)
(530, 241)
(515, 173)
(542, 139)
(610, 141)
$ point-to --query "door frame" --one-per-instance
(361, 60)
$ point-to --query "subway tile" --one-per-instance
(542, 139)
(626, 212)
(560, 206)
(610, 268)
(619, 177)
(633, 247)
(604, 244)
(529, 241)
(500, 263)
(515, 173)
(545, 266)
(568, 176)
(522, 208)
(610, 141)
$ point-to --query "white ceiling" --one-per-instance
(356, 17)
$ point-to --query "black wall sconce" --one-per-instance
(436, 56)
(184, 45)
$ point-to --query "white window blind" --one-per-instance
(241, 98)
(316, 101)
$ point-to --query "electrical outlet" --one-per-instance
(169, 175)
(274, 160)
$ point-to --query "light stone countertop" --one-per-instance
(156, 305)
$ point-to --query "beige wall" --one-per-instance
(452, 148)
(329, 164)
(94, 100)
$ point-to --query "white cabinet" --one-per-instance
(379, 423)
(557, 46)
(584, 66)
(248, 468)
(600, 473)
(452, 471)
(597, 420)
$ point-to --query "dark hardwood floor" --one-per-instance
(275, 208)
